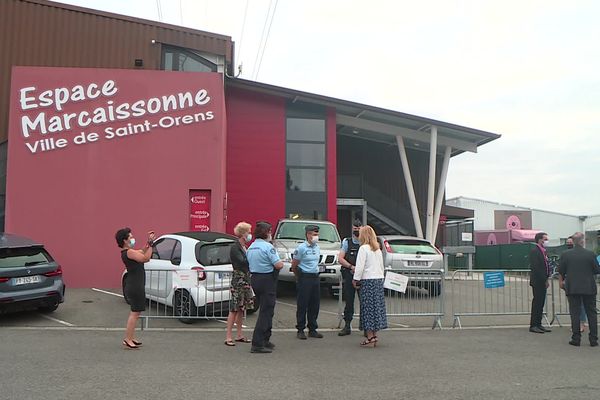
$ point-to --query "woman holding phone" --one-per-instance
(135, 280)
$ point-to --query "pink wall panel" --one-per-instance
(255, 157)
(74, 199)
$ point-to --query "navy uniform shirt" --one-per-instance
(262, 256)
(345, 243)
(308, 255)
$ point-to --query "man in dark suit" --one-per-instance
(577, 269)
(538, 280)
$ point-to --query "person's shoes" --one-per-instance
(574, 343)
(270, 346)
(345, 330)
(545, 329)
(300, 335)
(263, 350)
(594, 343)
(315, 334)
(536, 329)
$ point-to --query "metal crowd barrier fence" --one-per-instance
(187, 295)
(424, 297)
(560, 303)
(491, 293)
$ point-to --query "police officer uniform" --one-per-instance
(350, 247)
(262, 257)
(307, 286)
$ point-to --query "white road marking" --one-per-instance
(105, 292)
(336, 314)
(60, 321)
(120, 295)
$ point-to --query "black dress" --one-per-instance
(135, 280)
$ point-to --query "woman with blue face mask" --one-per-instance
(135, 280)
(241, 289)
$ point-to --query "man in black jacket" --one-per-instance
(538, 280)
(577, 269)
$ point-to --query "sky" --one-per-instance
(528, 70)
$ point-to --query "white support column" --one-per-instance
(409, 186)
(440, 193)
(431, 188)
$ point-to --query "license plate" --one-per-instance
(28, 279)
(224, 275)
(321, 269)
(416, 263)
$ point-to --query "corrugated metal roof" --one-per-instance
(45, 33)
(372, 114)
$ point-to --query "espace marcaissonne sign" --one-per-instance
(103, 113)
(93, 150)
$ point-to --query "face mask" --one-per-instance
(269, 238)
(248, 237)
(132, 242)
(315, 239)
(546, 243)
(569, 246)
(356, 233)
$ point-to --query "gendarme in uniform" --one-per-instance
(306, 257)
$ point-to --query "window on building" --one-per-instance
(306, 183)
(179, 59)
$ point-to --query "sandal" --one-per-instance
(136, 342)
(368, 342)
(229, 343)
(129, 346)
(243, 340)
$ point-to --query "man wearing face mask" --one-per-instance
(347, 258)
(538, 280)
(305, 265)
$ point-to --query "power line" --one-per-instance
(266, 39)
(261, 40)
(158, 7)
(242, 34)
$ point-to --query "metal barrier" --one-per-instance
(187, 295)
(424, 297)
(560, 303)
(510, 296)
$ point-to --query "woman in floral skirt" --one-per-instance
(241, 291)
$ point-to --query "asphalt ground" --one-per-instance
(76, 353)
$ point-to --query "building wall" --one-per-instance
(255, 157)
(74, 199)
(558, 226)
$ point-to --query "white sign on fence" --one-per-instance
(394, 281)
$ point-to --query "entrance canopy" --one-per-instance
(400, 129)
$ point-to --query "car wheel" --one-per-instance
(184, 306)
(123, 286)
(48, 309)
(434, 288)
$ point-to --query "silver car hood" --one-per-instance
(291, 245)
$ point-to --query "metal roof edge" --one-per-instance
(279, 90)
(127, 18)
(517, 206)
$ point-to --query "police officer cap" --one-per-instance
(311, 228)
(357, 223)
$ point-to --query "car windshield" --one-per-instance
(214, 253)
(23, 257)
(404, 246)
(295, 231)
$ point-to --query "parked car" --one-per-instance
(412, 253)
(191, 272)
(290, 233)
(29, 276)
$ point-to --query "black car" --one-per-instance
(29, 276)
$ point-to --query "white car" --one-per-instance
(290, 233)
(190, 272)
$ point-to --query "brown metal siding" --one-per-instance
(41, 33)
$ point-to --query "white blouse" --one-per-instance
(369, 264)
